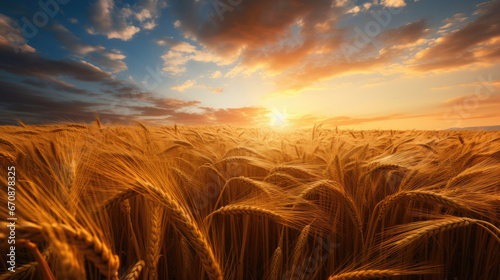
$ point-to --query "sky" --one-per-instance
(378, 64)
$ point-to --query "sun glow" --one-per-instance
(278, 118)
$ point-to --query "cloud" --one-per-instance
(310, 119)
(180, 53)
(106, 18)
(216, 90)
(110, 60)
(354, 10)
(455, 19)
(143, 15)
(73, 20)
(406, 34)
(150, 25)
(11, 35)
(477, 42)
(30, 64)
(484, 82)
(314, 71)
(96, 53)
(35, 106)
(172, 103)
(259, 36)
(216, 74)
(393, 3)
(57, 73)
(71, 42)
(187, 85)
(265, 44)
(33, 102)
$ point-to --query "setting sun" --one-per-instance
(278, 119)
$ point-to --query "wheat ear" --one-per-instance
(44, 267)
(190, 230)
(282, 179)
(423, 196)
(143, 126)
(8, 143)
(366, 274)
(134, 272)
(467, 174)
(154, 241)
(8, 157)
(275, 264)
(299, 248)
(340, 194)
(117, 199)
(445, 225)
(249, 211)
(246, 183)
(90, 246)
(26, 271)
(295, 171)
(77, 125)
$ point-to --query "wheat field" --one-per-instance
(218, 202)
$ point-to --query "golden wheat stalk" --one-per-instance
(134, 272)
(338, 193)
(188, 228)
(27, 132)
(294, 171)
(186, 258)
(243, 151)
(44, 267)
(366, 274)
(69, 266)
(8, 143)
(299, 249)
(117, 199)
(282, 179)
(440, 226)
(248, 210)
(275, 264)
(26, 271)
(10, 159)
(143, 126)
(90, 246)
(464, 176)
(154, 241)
(62, 130)
(77, 125)
(421, 196)
(244, 183)
(183, 143)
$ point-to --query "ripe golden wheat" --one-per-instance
(97, 201)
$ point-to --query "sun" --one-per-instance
(278, 118)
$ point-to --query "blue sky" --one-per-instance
(359, 64)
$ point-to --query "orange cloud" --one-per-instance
(476, 42)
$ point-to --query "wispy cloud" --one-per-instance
(105, 17)
(96, 53)
(478, 42)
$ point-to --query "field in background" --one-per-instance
(144, 202)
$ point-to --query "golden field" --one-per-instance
(218, 202)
